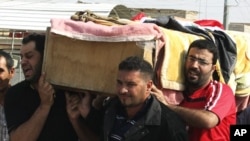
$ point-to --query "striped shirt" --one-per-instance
(4, 136)
(219, 99)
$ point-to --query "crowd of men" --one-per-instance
(34, 110)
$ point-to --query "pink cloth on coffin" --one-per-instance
(130, 32)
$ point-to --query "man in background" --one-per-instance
(6, 73)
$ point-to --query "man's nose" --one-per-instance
(123, 90)
(195, 63)
(23, 61)
(192, 62)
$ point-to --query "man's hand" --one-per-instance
(98, 101)
(158, 94)
(72, 101)
(46, 91)
(85, 104)
(78, 104)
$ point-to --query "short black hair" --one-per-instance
(39, 40)
(205, 44)
(138, 64)
(8, 58)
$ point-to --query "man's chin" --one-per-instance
(30, 79)
(125, 104)
(27, 78)
(193, 81)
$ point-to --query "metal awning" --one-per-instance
(35, 16)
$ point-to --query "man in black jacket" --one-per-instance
(134, 114)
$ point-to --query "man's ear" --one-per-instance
(12, 72)
(149, 85)
(214, 67)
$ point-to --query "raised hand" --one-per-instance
(46, 91)
(158, 94)
(85, 104)
(78, 104)
(97, 103)
(72, 101)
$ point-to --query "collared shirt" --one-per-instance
(4, 136)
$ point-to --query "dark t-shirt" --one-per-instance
(21, 102)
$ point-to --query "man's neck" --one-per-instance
(132, 111)
(191, 89)
(34, 85)
(2, 95)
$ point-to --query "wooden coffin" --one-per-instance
(87, 65)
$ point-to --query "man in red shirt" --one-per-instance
(208, 106)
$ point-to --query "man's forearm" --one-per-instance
(196, 117)
(84, 133)
(31, 129)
